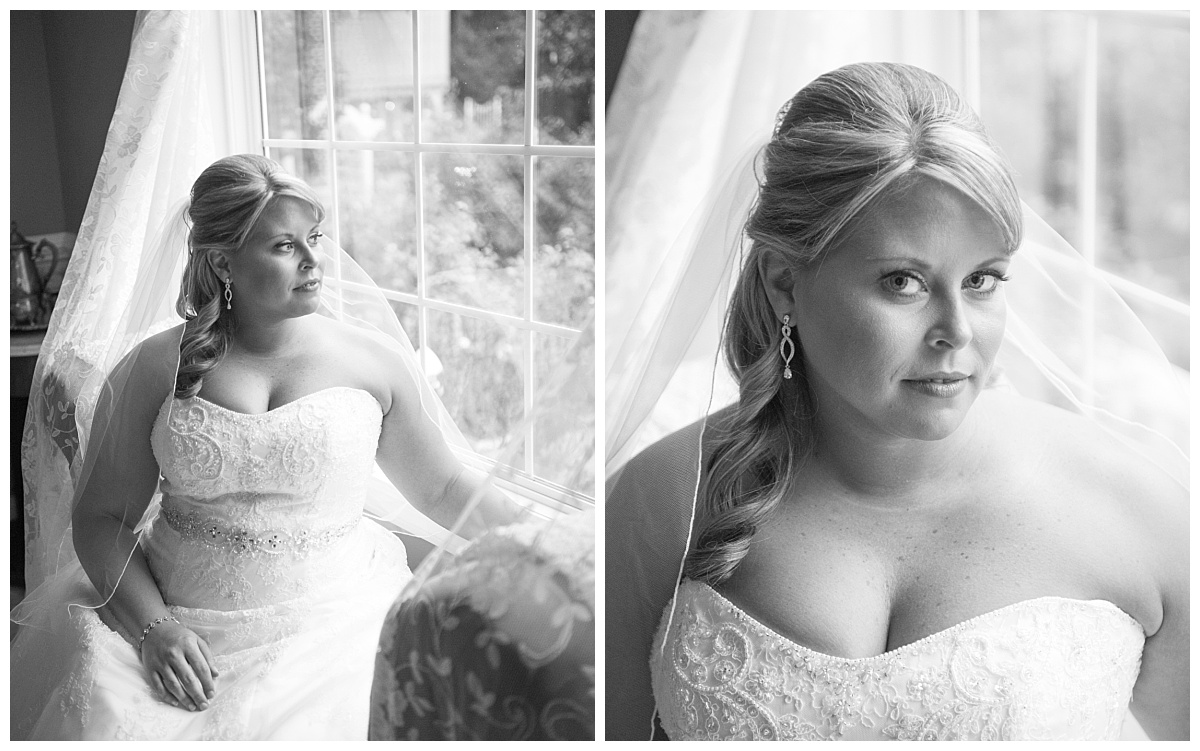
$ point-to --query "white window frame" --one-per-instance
(237, 41)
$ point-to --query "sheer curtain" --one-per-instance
(159, 140)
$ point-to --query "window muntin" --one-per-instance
(471, 204)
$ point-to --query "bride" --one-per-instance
(248, 603)
(888, 543)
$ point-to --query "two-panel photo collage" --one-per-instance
(599, 375)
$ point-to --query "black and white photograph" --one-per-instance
(896, 381)
(881, 317)
(303, 375)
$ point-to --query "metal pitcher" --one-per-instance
(27, 286)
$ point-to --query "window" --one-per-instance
(1092, 110)
(455, 152)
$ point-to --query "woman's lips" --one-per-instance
(311, 286)
(939, 386)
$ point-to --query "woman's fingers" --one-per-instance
(157, 682)
(174, 688)
(193, 689)
(212, 664)
(201, 667)
(181, 666)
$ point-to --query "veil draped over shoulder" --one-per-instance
(119, 294)
(1070, 339)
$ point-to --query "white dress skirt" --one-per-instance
(261, 548)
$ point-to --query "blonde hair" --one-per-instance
(226, 202)
(848, 138)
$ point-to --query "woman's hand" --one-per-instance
(181, 666)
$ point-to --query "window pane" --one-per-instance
(372, 74)
(410, 321)
(564, 284)
(481, 379)
(1144, 154)
(564, 436)
(294, 55)
(430, 364)
(378, 215)
(566, 79)
(473, 76)
(311, 166)
(1031, 66)
(1034, 78)
(473, 230)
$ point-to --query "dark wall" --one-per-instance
(34, 183)
(618, 28)
(66, 71)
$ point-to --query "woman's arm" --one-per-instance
(122, 480)
(1161, 698)
(415, 457)
(646, 532)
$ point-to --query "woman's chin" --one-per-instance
(934, 417)
(305, 306)
(936, 423)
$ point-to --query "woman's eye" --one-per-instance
(903, 284)
(314, 237)
(984, 281)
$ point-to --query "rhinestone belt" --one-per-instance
(192, 526)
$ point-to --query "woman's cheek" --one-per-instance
(989, 332)
(868, 342)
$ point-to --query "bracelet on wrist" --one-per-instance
(158, 621)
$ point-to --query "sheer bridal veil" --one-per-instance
(695, 102)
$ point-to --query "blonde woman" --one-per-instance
(231, 586)
(885, 545)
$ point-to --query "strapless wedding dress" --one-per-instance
(1042, 669)
(261, 548)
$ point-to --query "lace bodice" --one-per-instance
(1049, 668)
(256, 506)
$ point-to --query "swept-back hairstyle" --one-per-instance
(844, 141)
(226, 202)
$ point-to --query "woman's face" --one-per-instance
(277, 272)
(900, 322)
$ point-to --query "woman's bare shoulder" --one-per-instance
(676, 451)
(1072, 451)
(1086, 452)
(374, 359)
(153, 362)
(363, 346)
(663, 475)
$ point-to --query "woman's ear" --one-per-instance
(779, 279)
(219, 263)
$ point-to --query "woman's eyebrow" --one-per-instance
(900, 259)
(288, 233)
(924, 263)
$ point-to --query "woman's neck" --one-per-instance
(270, 339)
(857, 460)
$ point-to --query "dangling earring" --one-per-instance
(787, 350)
(228, 296)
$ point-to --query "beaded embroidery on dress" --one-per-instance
(262, 549)
(1043, 669)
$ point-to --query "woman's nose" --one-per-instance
(951, 328)
(312, 256)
